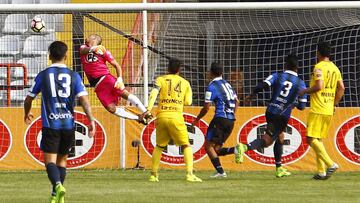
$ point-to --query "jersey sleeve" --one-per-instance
(304, 97)
(108, 56)
(36, 87)
(270, 80)
(339, 77)
(318, 73)
(158, 83)
(79, 87)
(210, 94)
(188, 95)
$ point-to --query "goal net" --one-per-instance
(251, 44)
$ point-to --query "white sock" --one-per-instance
(136, 102)
(124, 114)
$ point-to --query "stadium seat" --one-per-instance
(16, 24)
(23, 1)
(33, 65)
(51, 1)
(49, 22)
(35, 46)
(18, 95)
(9, 45)
(4, 1)
(50, 37)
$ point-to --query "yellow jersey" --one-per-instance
(175, 92)
(322, 102)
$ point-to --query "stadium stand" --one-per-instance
(35, 46)
(16, 24)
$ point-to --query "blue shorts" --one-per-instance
(276, 124)
(219, 130)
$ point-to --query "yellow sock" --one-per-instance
(320, 165)
(320, 151)
(188, 157)
(156, 156)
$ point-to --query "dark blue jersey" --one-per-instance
(58, 86)
(223, 96)
(285, 93)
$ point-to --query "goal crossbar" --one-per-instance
(179, 6)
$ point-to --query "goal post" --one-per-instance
(251, 40)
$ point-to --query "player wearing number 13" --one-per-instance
(59, 86)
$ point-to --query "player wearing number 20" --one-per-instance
(59, 87)
(285, 96)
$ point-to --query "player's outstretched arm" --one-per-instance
(119, 82)
(27, 107)
(340, 89)
(84, 102)
(202, 113)
(153, 95)
(259, 88)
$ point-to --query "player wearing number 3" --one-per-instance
(285, 96)
(108, 88)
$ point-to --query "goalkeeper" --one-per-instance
(108, 88)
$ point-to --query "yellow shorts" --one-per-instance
(318, 125)
(171, 128)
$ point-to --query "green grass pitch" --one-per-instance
(107, 186)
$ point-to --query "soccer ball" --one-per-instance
(37, 25)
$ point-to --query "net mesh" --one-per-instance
(250, 44)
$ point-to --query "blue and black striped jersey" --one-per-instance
(285, 92)
(58, 86)
(223, 96)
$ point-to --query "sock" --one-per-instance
(320, 166)
(136, 102)
(256, 144)
(188, 158)
(216, 163)
(62, 171)
(53, 173)
(320, 151)
(124, 114)
(226, 151)
(278, 151)
(156, 156)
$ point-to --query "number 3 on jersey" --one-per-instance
(287, 87)
(65, 81)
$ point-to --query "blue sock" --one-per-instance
(62, 171)
(216, 163)
(278, 151)
(226, 151)
(53, 174)
(256, 144)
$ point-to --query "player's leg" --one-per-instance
(120, 112)
(227, 128)
(211, 146)
(266, 140)
(318, 127)
(278, 151)
(49, 145)
(162, 140)
(178, 132)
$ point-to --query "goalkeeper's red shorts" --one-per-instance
(106, 92)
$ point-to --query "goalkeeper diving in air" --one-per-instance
(285, 96)
(108, 88)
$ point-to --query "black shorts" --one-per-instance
(276, 124)
(219, 130)
(57, 141)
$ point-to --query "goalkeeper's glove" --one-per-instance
(119, 84)
(100, 50)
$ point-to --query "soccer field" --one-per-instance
(132, 186)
